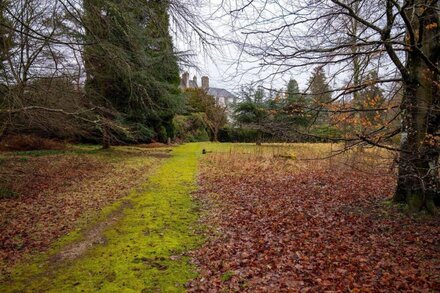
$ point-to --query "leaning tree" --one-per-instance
(397, 39)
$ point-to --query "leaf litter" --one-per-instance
(319, 229)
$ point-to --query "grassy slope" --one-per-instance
(144, 251)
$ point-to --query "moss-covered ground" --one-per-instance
(144, 248)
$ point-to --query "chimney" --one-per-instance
(205, 82)
(184, 80)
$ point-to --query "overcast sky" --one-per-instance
(231, 69)
(223, 63)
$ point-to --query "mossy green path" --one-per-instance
(143, 251)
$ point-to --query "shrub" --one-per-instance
(6, 193)
(325, 131)
(29, 143)
(162, 134)
(230, 134)
(190, 128)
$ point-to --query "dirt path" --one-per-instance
(138, 244)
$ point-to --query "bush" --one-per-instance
(29, 143)
(201, 135)
(230, 134)
(190, 128)
(324, 131)
(162, 134)
(317, 134)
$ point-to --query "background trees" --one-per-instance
(320, 94)
(399, 38)
(253, 111)
(203, 115)
(40, 70)
(118, 57)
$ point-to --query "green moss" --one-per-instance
(7, 193)
(144, 251)
(227, 276)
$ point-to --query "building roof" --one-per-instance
(218, 92)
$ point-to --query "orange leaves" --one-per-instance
(431, 140)
(431, 26)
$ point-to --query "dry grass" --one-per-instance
(300, 157)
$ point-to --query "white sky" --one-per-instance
(220, 62)
(229, 69)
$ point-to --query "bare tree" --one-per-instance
(216, 118)
(42, 71)
(398, 38)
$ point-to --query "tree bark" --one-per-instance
(4, 130)
(105, 137)
(418, 182)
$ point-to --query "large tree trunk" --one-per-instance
(215, 135)
(418, 179)
(105, 138)
(105, 135)
(4, 130)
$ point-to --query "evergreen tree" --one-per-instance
(131, 67)
(320, 93)
(292, 91)
(252, 111)
(259, 95)
(371, 98)
(295, 110)
(162, 66)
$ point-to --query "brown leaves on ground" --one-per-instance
(29, 143)
(52, 192)
(317, 230)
